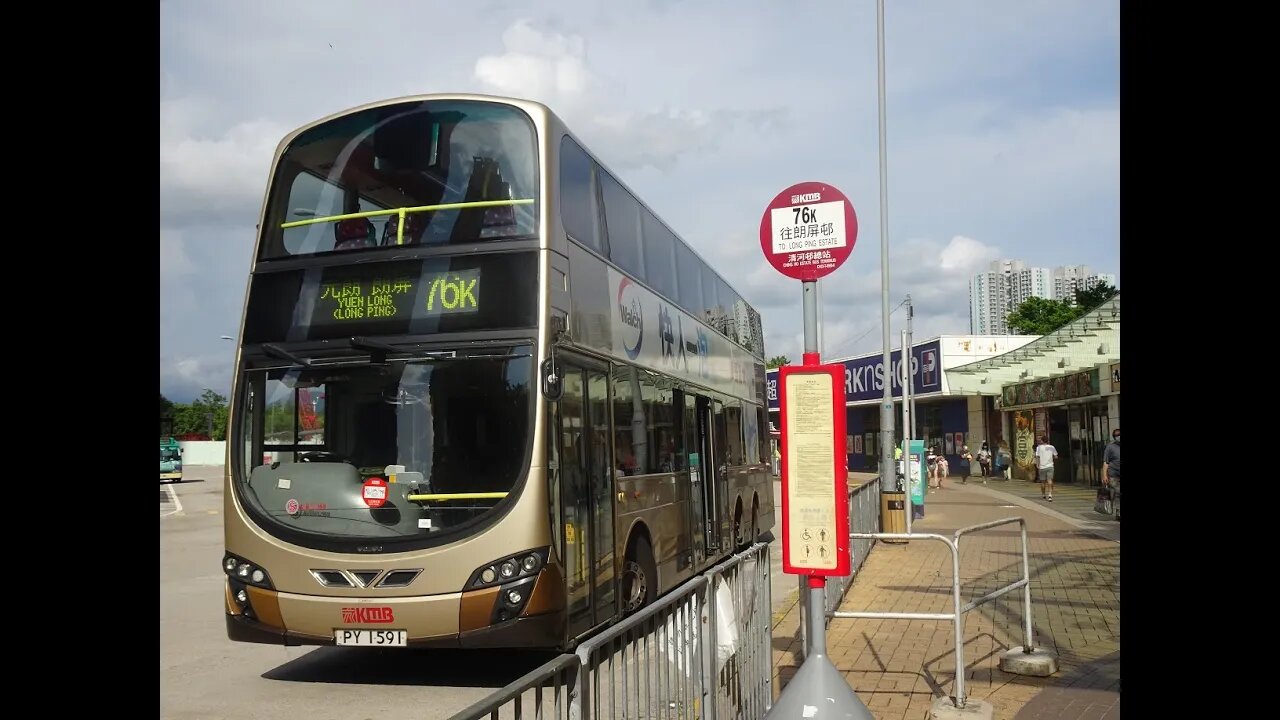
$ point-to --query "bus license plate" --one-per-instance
(371, 638)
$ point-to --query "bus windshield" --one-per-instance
(367, 450)
(438, 172)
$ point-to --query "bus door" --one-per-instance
(708, 471)
(586, 492)
(691, 444)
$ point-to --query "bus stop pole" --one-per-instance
(817, 690)
(811, 350)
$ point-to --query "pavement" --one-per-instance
(898, 668)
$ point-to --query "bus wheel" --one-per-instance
(738, 536)
(755, 523)
(639, 576)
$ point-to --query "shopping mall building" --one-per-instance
(971, 388)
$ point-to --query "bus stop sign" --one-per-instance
(815, 479)
(808, 231)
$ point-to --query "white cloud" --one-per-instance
(549, 67)
(206, 175)
(552, 68)
(964, 255)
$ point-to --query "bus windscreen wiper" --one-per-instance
(381, 349)
(278, 352)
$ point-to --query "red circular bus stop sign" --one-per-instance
(375, 492)
(808, 231)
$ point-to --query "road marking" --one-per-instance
(177, 504)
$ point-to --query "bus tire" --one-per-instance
(755, 519)
(739, 535)
(639, 575)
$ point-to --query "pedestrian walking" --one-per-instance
(984, 461)
(966, 464)
(1004, 456)
(1111, 470)
(1046, 454)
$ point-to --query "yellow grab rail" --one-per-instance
(405, 211)
(456, 496)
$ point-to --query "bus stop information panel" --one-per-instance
(815, 498)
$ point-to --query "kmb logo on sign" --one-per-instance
(367, 615)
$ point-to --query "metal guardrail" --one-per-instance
(744, 676)
(957, 615)
(555, 677)
(701, 651)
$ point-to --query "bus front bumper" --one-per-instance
(474, 619)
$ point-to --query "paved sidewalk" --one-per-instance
(899, 667)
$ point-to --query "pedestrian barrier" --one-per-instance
(547, 683)
(701, 651)
(959, 608)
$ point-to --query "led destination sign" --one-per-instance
(388, 298)
(489, 291)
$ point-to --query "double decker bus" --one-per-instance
(170, 459)
(483, 397)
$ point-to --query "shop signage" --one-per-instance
(1056, 389)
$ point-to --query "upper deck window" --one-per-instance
(417, 173)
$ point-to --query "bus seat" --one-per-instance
(414, 225)
(353, 234)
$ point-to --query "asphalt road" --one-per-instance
(205, 675)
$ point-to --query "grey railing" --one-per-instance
(701, 651)
(956, 616)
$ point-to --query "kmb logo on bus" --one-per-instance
(367, 615)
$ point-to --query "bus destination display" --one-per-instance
(390, 298)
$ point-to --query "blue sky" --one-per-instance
(1003, 134)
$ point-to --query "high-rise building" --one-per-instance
(1070, 278)
(994, 294)
(750, 331)
(1006, 284)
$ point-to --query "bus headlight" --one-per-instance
(511, 600)
(245, 571)
(504, 570)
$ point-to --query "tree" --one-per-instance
(1038, 316)
(778, 361)
(1087, 300)
(207, 416)
(166, 416)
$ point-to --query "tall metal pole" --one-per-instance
(886, 405)
(809, 633)
(817, 293)
(911, 377)
(905, 362)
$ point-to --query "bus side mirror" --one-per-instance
(552, 382)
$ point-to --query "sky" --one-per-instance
(1002, 126)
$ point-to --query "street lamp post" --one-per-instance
(886, 406)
